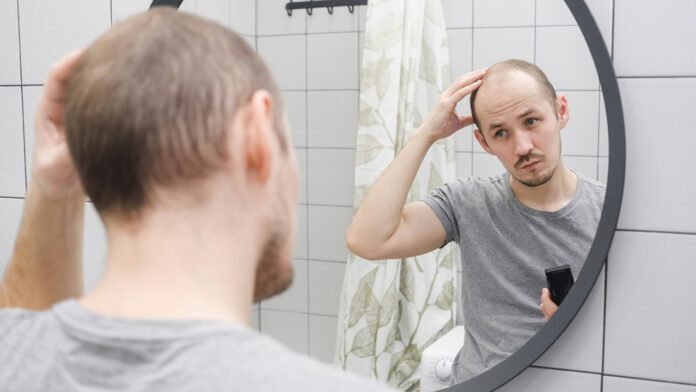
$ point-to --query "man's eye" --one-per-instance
(531, 121)
(500, 133)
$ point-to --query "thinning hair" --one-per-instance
(151, 101)
(505, 67)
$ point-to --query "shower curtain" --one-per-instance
(391, 310)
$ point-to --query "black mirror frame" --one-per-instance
(505, 371)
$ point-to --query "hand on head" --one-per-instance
(53, 170)
(444, 120)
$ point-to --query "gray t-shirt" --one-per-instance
(505, 247)
(71, 349)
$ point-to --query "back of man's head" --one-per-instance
(151, 101)
(497, 73)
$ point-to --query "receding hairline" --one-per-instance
(502, 70)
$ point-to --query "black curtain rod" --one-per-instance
(329, 4)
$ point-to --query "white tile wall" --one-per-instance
(285, 57)
(51, 29)
(331, 173)
(562, 49)
(10, 215)
(332, 118)
(580, 136)
(664, 43)
(554, 13)
(332, 61)
(289, 328)
(243, 17)
(487, 13)
(659, 153)
(322, 337)
(616, 384)
(494, 45)
(325, 290)
(486, 165)
(545, 380)
(300, 251)
(650, 307)
(584, 165)
(301, 154)
(9, 43)
(121, 9)
(218, 10)
(458, 13)
(273, 19)
(295, 103)
(326, 230)
(11, 143)
(31, 95)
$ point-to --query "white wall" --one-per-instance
(646, 341)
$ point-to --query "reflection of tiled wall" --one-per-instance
(644, 343)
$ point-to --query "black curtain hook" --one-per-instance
(289, 10)
(310, 9)
(330, 7)
(351, 8)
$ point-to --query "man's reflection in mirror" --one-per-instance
(510, 228)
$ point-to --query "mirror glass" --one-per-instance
(508, 238)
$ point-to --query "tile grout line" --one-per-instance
(613, 29)
(473, 31)
(656, 231)
(604, 321)
(535, 32)
(306, 43)
(21, 95)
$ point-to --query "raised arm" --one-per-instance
(46, 264)
(384, 227)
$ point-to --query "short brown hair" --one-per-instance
(150, 102)
(517, 65)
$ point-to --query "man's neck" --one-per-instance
(551, 196)
(179, 267)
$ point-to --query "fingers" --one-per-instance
(54, 90)
(461, 93)
(547, 306)
(465, 121)
(463, 81)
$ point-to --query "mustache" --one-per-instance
(526, 158)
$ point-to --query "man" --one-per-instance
(509, 228)
(177, 135)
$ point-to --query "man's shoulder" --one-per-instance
(272, 366)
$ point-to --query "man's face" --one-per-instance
(520, 126)
(275, 271)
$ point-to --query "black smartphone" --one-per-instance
(560, 281)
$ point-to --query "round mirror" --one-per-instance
(611, 116)
(565, 42)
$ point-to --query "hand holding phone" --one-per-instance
(560, 281)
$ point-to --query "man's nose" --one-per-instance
(523, 143)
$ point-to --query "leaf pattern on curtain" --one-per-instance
(391, 310)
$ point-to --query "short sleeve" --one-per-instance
(441, 202)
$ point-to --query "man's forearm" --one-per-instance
(380, 212)
(46, 264)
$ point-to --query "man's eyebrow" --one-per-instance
(526, 113)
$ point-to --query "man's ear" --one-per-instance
(482, 140)
(259, 142)
(562, 110)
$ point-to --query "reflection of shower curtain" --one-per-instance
(391, 310)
